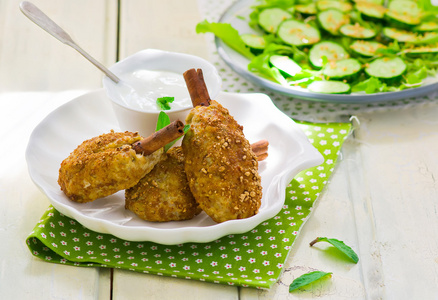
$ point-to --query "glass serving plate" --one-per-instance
(91, 115)
(238, 15)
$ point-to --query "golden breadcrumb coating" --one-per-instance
(221, 168)
(103, 165)
(163, 194)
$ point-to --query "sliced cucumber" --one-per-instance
(399, 35)
(422, 50)
(306, 9)
(334, 4)
(287, 66)
(332, 20)
(380, 2)
(291, 9)
(370, 9)
(298, 33)
(344, 69)
(404, 13)
(270, 18)
(427, 38)
(256, 43)
(403, 20)
(331, 50)
(329, 87)
(427, 26)
(357, 31)
(405, 7)
(389, 69)
(366, 48)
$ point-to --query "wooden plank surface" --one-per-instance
(21, 204)
(332, 217)
(32, 60)
(166, 25)
(382, 198)
(129, 285)
(394, 193)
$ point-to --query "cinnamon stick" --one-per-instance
(160, 138)
(261, 157)
(197, 87)
(260, 149)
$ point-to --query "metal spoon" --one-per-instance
(39, 18)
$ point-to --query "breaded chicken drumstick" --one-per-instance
(164, 194)
(221, 168)
(111, 162)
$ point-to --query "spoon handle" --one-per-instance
(42, 20)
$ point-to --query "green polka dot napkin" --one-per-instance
(253, 259)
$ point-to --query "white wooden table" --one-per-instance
(382, 199)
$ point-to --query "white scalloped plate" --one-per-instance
(91, 114)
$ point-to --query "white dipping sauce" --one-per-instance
(140, 89)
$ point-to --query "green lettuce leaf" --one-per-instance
(227, 34)
(260, 64)
(369, 86)
(414, 78)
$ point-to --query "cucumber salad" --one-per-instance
(338, 47)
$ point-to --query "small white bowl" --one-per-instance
(144, 121)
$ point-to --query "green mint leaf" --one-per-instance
(306, 279)
(186, 128)
(163, 102)
(340, 245)
(163, 120)
(167, 147)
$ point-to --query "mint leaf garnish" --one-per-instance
(163, 102)
(306, 279)
(340, 245)
(163, 120)
(167, 147)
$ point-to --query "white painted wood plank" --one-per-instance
(23, 276)
(396, 194)
(165, 24)
(382, 200)
(332, 217)
(132, 285)
(31, 59)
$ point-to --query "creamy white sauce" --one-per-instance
(140, 89)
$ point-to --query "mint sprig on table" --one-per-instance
(340, 245)
(164, 102)
(307, 279)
